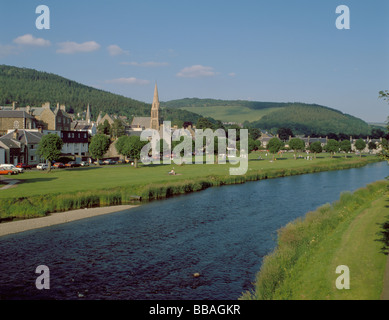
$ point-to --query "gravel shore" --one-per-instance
(57, 218)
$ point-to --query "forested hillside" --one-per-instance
(313, 120)
(301, 118)
(33, 88)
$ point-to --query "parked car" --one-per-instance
(24, 166)
(109, 161)
(58, 165)
(72, 164)
(42, 166)
(99, 162)
(84, 163)
(11, 167)
(7, 172)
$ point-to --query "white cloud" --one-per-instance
(115, 50)
(129, 81)
(30, 40)
(70, 47)
(196, 71)
(232, 74)
(146, 64)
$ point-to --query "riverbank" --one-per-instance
(57, 218)
(347, 232)
(40, 194)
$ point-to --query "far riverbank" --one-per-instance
(57, 218)
(122, 185)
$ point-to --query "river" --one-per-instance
(153, 251)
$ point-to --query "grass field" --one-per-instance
(231, 113)
(40, 193)
(309, 251)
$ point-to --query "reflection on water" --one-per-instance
(152, 252)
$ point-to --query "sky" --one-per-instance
(278, 50)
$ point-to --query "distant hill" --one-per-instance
(301, 118)
(33, 88)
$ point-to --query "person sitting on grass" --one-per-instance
(172, 172)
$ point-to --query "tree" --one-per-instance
(332, 146)
(49, 148)
(372, 146)
(316, 148)
(117, 129)
(360, 145)
(296, 144)
(130, 147)
(204, 123)
(274, 146)
(253, 145)
(98, 146)
(345, 146)
(284, 133)
(104, 128)
(254, 133)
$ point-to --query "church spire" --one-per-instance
(156, 98)
(155, 122)
(88, 116)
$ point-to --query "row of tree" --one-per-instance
(332, 146)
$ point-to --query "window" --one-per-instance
(16, 124)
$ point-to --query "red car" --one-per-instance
(58, 165)
(7, 172)
(24, 166)
(72, 164)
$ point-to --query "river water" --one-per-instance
(152, 252)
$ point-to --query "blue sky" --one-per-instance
(282, 51)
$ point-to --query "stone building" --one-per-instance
(152, 122)
(16, 119)
(50, 119)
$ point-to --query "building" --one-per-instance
(16, 119)
(152, 122)
(21, 146)
(50, 119)
(75, 143)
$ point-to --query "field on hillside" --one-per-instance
(237, 114)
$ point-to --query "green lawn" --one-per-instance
(106, 177)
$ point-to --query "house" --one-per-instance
(74, 142)
(16, 119)
(21, 146)
(50, 119)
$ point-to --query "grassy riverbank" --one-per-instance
(309, 250)
(41, 193)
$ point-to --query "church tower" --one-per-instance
(155, 120)
(88, 115)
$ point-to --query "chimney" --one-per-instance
(63, 107)
(46, 105)
(14, 105)
(16, 134)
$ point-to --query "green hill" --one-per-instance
(33, 88)
(301, 118)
